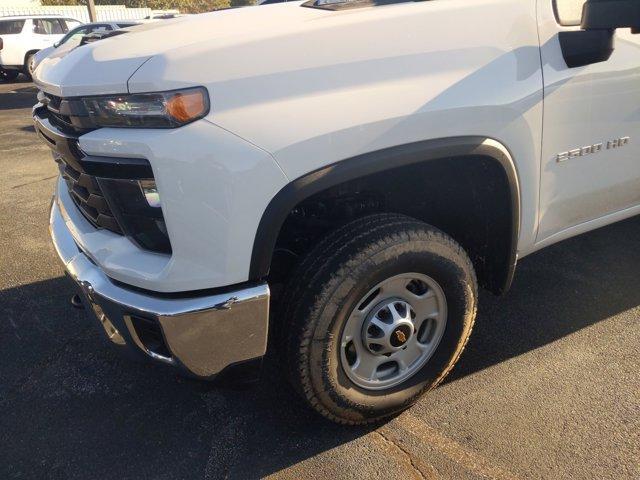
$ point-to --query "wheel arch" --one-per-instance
(370, 163)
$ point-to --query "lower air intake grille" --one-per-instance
(88, 196)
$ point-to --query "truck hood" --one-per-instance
(105, 67)
(86, 70)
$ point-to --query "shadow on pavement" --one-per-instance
(557, 291)
(71, 408)
(18, 94)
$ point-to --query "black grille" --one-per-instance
(62, 122)
(53, 102)
(87, 195)
(83, 187)
(59, 113)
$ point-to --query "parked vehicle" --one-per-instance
(73, 39)
(21, 37)
(338, 177)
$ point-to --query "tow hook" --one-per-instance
(76, 302)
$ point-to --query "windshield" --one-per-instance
(76, 32)
(74, 37)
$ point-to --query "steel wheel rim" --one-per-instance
(393, 331)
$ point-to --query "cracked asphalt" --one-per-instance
(547, 388)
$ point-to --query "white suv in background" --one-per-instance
(22, 36)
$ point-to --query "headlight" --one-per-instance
(148, 110)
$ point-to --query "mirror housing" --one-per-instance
(595, 42)
(585, 47)
(611, 14)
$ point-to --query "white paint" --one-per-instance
(586, 106)
(214, 188)
(303, 88)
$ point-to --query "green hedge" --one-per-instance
(185, 6)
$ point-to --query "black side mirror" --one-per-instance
(611, 14)
(600, 18)
(584, 47)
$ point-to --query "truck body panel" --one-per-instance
(590, 152)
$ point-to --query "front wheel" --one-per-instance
(377, 314)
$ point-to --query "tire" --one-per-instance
(8, 75)
(27, 65)
(324, 305)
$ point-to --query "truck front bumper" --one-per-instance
(201, 334)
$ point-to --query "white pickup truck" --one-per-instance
(335, 178)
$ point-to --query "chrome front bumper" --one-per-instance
(201, 335)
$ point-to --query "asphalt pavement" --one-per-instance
(548, 387)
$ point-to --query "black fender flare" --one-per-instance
(374, 162)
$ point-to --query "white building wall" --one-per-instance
(19, 3)
(104, 12)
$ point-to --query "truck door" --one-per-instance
(591, 129)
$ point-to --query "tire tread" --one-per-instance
(334, 258)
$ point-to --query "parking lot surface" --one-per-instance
(548, 386)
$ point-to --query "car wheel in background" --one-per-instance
(31, 64)
(28, 65)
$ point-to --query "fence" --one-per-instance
(104, 12)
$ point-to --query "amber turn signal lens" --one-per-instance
(187, 106)
(171, 109)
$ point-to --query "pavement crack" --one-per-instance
(34, 181)
(459, 454)
(404, 454)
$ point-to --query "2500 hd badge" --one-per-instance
(595, 148)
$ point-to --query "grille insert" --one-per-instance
(66, 115)
(88, 197)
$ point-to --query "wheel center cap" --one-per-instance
(389, 327)
(400, 336)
